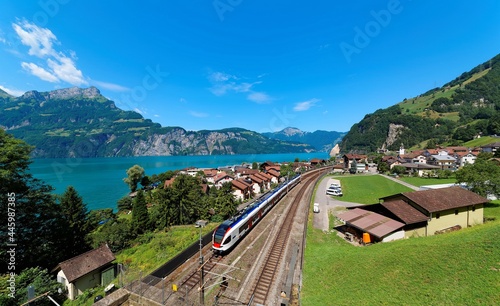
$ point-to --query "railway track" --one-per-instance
(275, 256)
(193, 279)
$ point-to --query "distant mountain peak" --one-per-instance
(64, 93)
(291, 131)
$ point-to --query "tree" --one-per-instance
(42, 282)
(134, 176)
(75, 213)
(117, 234)
(286, 171)
(382, 167)
(255, 165)
(482, 177)
(140, 216)
(431, 144)
(125, 203)
(399, 170)
(38, 221)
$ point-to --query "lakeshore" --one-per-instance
(100, 180)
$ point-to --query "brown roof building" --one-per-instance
(86, 270)
(444, 208)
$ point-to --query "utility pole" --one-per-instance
(202, 291)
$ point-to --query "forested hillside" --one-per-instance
(76, 122)
(451, 114)
(321, 140)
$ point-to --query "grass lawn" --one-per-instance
(458, 268)
(421, 181)
(155, 249)
(367, 189)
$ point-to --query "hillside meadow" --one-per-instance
(458, 268)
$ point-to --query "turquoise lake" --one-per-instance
(100, 180)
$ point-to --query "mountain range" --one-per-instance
(321, 140)
(458, 111)
(75, 122)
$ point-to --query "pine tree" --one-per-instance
(140, 215)
(76, 215)
(37, 224)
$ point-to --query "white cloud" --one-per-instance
(223, 83)
(11, 91)
(305, 105)
(198, 114)
(110, 86)
(156, 115)
(59, 66)
(39, 72)
(259, 97)
(139, 111)
(220, 77)
(66, 71)
(39, 40)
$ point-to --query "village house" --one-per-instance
(350, 158)
(443, 209)
(491, 148)
(257, 183)
(245, 172)
(317, 162)
(192, 171)
(210, 175)
(85, 271)
(241, 189)
(464, 158)
(443, 160)
(221, 178)
(415, 214)
(419, 168)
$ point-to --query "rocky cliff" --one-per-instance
(76, 122)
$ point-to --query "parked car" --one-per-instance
(334, 192)
(335, 185)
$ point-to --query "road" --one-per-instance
(327, 203)
(331, 203)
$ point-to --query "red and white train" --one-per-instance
(231, 231)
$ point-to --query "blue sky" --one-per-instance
(259, 65)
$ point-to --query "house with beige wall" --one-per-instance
(88, 270)
(443, 209)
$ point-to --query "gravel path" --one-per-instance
(400, 182)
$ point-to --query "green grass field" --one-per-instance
(367, 189)
(458, 268)
(481, 141)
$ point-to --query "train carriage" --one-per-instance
(232, 230)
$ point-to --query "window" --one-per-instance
(473, 208)
(456, 211)
(438, 215)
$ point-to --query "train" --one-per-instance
(232, 230)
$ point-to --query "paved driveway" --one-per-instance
(326, 204)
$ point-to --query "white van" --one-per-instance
(334, 192)
(316, 208)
